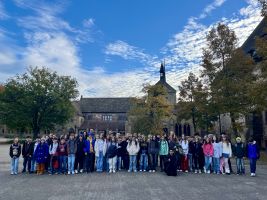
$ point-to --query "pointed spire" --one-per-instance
(162, 72)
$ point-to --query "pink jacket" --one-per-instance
(208, 149)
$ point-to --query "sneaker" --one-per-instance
(110, 171)
(129, 170)
(81, 171)
(186, 171)
(16, 173)
(199, 171)
(141, 170)
(68, 173)
(154, 171)
(73, 173)
(11, 173)
(114, 171)
(205, 171)
(208, 172)
(144, 170)
(135, 171)
(150, 171)
(196, 172)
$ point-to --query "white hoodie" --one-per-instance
(133, 149)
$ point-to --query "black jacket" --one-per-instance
(80, 147)
(143, 147)
(15, 150)
(112, 150)
(239, 150)
(26, 149)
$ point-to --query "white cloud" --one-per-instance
(3, 13)
(88, 23)
(129, 52)
(209, 8)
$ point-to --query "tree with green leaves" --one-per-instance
(149, 112)
(228, 72)
(37, 100)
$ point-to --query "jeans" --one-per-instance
(62, 164)
(99, 162)
(153, 161)
(240, 167)
(253, 162)
(143, 161)
(27, 163)
(14, 165)
(112, 163)
(33, 164)
(79, 162)
(190, 162)
(119, 162)
(71, 161)
(216, 165)
(208, 160)
(132, 163)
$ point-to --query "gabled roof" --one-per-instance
(105, 105)
(169, 88)
(259, 31)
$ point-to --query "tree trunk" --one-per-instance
(234, 125)
(194, 120)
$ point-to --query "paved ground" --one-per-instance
(124, 186)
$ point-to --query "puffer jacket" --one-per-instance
(133, 148)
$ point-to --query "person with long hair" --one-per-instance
(133, 149)
(208, 153)
(226, 153)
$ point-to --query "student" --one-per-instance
(71, 149)
(53, 155)
(41, 156)
(208, 153)
(226, 154)
(89, 153)
(14, 153)
(125, 155)
(191, 153)
(217, 148)
(119, 154)
(179, 154)
(239, 151)
(62, 156)
(26, 154)
(198, 155)
(91, 136)
(153, 150)
(143, 154)
(253, 155)
(100, 152)
(171, 164)
(163, 152)
(112, 155)
(184, 144)
(133, 149)
(32, 151)
(79, 155)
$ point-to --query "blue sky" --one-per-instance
(113, 47)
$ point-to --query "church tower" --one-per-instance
(162, 73)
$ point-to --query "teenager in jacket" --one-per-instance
(253, 155)
(208, 153)
(53, 155)
(78, 165)
(62, 156)
(41, 155)
(239, 151)
(100, 152)
(71, 149)
(163, 152)
(14, 153)
(171, 164)
(153, 150)
(133, 149)
(217, 148)
(198, 155)
(119, 154)
(32, 151)
(112, 155)
(191, 152)
(143, 154)
(26, 148)
(89, 154)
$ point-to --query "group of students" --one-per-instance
(88, 152)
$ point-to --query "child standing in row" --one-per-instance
(14, 153)
(41, 155)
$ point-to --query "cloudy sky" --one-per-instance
(113, 47)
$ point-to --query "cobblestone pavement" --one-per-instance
(124, 186)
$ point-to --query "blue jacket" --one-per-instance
(86, 148)
(253, 151)
(41, 153)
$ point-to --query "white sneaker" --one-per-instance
(208, 172)
(205, 171)
(144, 170)
(110, 171)
(76, 171)
(114, 171)
(129, 170)
(150, 171)
(186, 171)
(199, 171)
(141, 170)
(11, 173)
(68, 173)
(16, 173)
(135, 171)
(154, 171)
(81, 171)
(195, 171)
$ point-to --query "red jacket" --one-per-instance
(208, 149)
